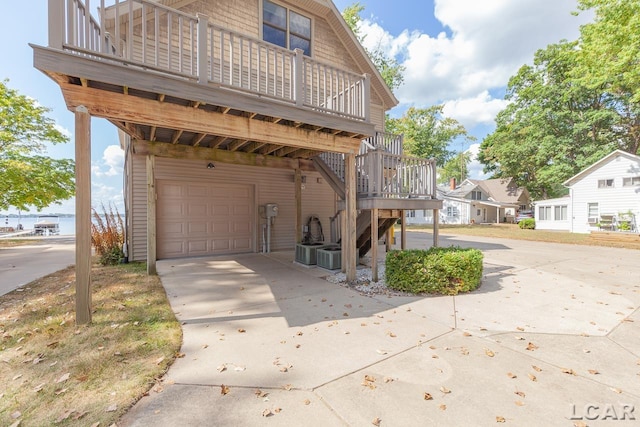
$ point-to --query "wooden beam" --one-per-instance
(84, 82)
(217, 141)
(269, 149)
(436, 228)
(198, 139)
(256, 146)
(237, 144)
(284, 151)
(112, 105)
(176, 136)
(151, 216)
(163, 149)
(83, 215)
(374, 244)
(350, 257)
(403, 231)
(161, 97)
(152, 134)
(297, 177)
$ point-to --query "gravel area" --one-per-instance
(364, 285)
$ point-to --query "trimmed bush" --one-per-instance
(446, 271)
(527, 224)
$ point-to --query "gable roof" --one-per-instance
(606, 159)
(329, 11)
(501, 190)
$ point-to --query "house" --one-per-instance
(239, 120)
(476, 201)
(602, 196)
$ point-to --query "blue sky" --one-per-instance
(458, 53)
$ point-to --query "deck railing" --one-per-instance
(157, 37)
(385, 141)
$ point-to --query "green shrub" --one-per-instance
(527, 224)
(446, 271)
(107, 235)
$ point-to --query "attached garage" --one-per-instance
(196, 219)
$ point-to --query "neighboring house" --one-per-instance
(239, 120)
(476, 201)
(600, 196)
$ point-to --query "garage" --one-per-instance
(196, 219)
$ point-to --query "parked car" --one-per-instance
(524, 215)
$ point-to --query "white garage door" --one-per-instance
(195, 219)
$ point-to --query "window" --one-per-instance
(523, 207)
(476, 195)
(452, 211)
(605, 183)
(544, 213)
(592, 209)
(560, 213)
(285, 27)
(477, 212)
(411, 214)
(631, 181)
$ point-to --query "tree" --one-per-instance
(457, 167)
(27, 176)
(553, 127)
(427, 133)
(388, 67)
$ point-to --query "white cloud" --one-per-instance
(481, 109)
(475, 167)
(63, 130)
(104, 194)
(485, 45)
(113, 161)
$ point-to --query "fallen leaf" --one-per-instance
(511, 375)
(520, 393)
(489, 352)
(579, 424)
(180, 355)
(224, 390)
(532, 377)
(519, 403)
(464, 351)
(267, 413)
(443, 407)
(242, 331)
(391, 334)
(284, 369)
(382, 351)
(39, 387)
(64, 416)
(205, 345)
(594, 372)
(159, 360)
(519, 338)
(63, 378)
(307, 402)
(77, 415)
(387, 379)
(616, 390)
(531, 346)
(287, 387)
(112, 408)
(467, 334)
(222, 368)
(535, 368)
(520, 329)
(500, 419)
(376, 422)
(427, 396)
(260, 394)
(369, 378)
(60, 391)
(277, 410)
(568, 371)
(435, 356)
(15, 415)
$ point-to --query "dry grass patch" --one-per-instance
(10, 243)
(54, 372)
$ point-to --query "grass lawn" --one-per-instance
(53, 372)
(512, 231)
(9, 243)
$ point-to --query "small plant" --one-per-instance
(527, 224)
(107, 235)
(446, 271)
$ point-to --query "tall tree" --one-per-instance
(457, 167)
(427, 133)
(28, 178)
(553, 127)
(389, 68)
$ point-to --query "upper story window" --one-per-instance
(631, 181)
(476, 195)
(285, 27)
(605, 183)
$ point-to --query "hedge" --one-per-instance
(527, 224)
(446, 271)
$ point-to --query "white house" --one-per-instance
(476, 201)
(608, 189)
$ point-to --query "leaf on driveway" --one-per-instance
(616, 390)
(222, 368)
(568, 371)
(519, 403)
(224, 390)
(580, 424)
(467, 334)
(383, 352)
(369, 382)
(260, 394)
(520, 393)
(489, 352)
(511, 375)
(427, 396)
(267, 413)
(242, 330)
(307, 402)
(531, 346)
(532, 377)
(500, 419)
(445, 390)
(388, 379)
(594, 372)
(376, 422)
(535, 368)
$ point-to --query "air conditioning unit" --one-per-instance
(329, 258)
(307, 253)
(592, 220)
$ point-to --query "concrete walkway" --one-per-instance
(20, 265)
(551, 336)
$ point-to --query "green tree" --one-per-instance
(457, 167)
(389, 68)
(427, 133)
(28, 178)
(553, 127)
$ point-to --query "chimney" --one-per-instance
(452, 183)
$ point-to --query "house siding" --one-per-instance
(270, 185)
(610, 200)
(553, 223)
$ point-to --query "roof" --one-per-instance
(551, 201)
(606, 159)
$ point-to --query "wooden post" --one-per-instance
(349, 234)
(403, 231)
(436, 228)
(298, 69)
(203, 63)
(366, 99)
(344, 246)
(298, 195)
(151, 216)
(374, 244)
(56, 24)
(83, 215)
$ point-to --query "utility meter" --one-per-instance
(271, 210)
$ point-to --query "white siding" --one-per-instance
(553, 223)
(610, 200)
(271, 186)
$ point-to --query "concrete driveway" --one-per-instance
(20, 265)
(550, 338)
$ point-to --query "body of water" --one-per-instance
(67, 224)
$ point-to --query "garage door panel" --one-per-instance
(196, 219)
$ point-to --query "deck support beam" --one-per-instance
(83, 215)
(349, 237)
(374, 244)
(297, 178)
(151, 216)
(403, 230)
(436, 227)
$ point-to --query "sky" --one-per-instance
(457, 53)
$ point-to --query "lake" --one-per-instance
(67, 224)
